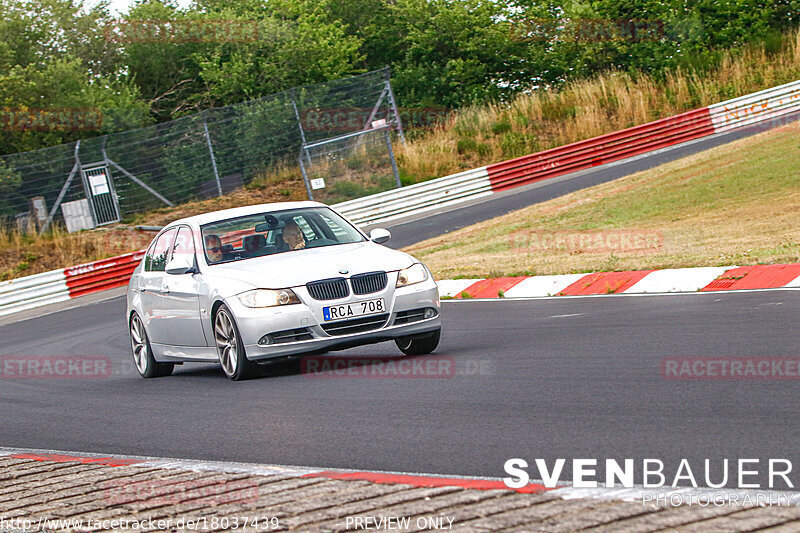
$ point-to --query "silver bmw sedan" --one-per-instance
(248, 285)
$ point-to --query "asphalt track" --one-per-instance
(548, 378)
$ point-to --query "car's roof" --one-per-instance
(235, 212)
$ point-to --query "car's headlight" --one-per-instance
(268, 298)
(416, 273)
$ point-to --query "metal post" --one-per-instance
(305, 178)
(111, 186)
(375, 109)
(89, 197)
(211, 151)
(300, 126)
(394, 108)
(139, 182)
(391, 157)
(64, 189)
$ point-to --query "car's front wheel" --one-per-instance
(230, 347)
(419, 344)
(143, 358)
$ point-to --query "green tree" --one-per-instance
(53, 57)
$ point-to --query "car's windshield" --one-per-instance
(275, 232)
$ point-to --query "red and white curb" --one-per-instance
(663, 495)
(679, 280)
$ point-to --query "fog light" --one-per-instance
(263, 341)
(430, 312)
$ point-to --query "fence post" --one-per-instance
(391, 157)
(67, 183)
(211, 152)
(305, 178)
(300, 126)
(394, 108)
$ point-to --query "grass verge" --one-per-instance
(735, 204)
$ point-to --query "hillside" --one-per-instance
(737, 204)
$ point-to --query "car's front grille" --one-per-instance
(355, 325)
(290, 335)
(412, 315)
(369, 282)
(328, 289)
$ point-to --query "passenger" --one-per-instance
(213, 248)
(293, 236)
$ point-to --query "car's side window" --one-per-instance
(304, 226)
(158, 259)
(333, 228)
(184, 244)
(148, 258)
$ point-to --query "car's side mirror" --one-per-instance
(379, 235)
(181, 264)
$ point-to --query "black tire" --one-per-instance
(419, 344)
(230, 347)
(143, 359)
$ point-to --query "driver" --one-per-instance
(213, 248)
(293, 236)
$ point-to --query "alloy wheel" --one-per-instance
(139, 344)
(227, 343)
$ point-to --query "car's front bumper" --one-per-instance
(256, 323)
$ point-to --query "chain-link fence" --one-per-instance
(349, 166)
(198, 156)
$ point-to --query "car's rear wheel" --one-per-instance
(230, 347)
(143, 358)
(419, 344)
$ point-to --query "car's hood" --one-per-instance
(291, 269)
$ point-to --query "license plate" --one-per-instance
(352, 310)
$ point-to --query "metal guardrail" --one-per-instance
(767, 105)
(754, 108)
(60, 285)
(418, 198)
(600, 150)
(748, 110)
(33, 291)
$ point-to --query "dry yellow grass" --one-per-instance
(583, 109)
(22, 255)
(735, 204)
